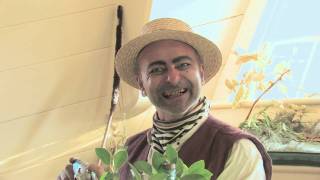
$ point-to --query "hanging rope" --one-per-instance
(116, 79)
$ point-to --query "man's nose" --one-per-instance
(173, 76)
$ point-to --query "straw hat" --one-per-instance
(161, 29)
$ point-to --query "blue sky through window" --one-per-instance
(289, 27)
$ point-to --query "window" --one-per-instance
(290, 32)
(287, 36)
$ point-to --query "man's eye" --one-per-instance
(183, 66)
(157, 70)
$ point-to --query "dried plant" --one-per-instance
(286, 125)
(254, 80)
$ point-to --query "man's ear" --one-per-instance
(138, 79)
(202, 74)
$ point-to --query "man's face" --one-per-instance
(171, 75)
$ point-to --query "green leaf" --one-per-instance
(171, 154)
(185, 169)
(284, 127)
(115, 176)
(143, 166)
(120, 157)
(135, 173)
(193, 177)
(106, 176)
(160, 176)
(199, 168)
(179, 167)
(205, 173)
(104, 155)
(199, 165)
(157, 160)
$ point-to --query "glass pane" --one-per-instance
(287, 37)
(290, 33)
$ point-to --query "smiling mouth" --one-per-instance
(175, 93)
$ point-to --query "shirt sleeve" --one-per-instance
(244, 162)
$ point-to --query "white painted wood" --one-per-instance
(14, 12)
(47, 166)
(54, 126)
(56, 72)
(56, 38)
(47, 86)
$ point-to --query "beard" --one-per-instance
(175, 99)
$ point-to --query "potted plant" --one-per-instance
(164, 166)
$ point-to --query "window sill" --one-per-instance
(295, 158)
(248, 104)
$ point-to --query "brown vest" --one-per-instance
(212, 143)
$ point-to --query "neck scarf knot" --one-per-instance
(169, 132)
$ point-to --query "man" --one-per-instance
(169, 64)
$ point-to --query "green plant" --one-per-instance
(268, 129)
(164, 166)
(112, 162)
(284, 127)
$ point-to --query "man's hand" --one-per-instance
(68, 174)
(99, 170)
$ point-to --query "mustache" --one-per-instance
(171, 87)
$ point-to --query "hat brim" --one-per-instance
(127, 54)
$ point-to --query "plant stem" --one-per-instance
(265, 91)
(116, 80)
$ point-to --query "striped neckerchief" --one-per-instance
(178, 131)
